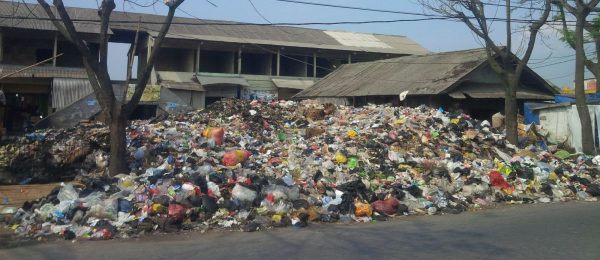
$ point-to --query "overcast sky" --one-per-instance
(552, 59)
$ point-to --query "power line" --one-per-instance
(258, 12)
(413, 13)
(253, 44)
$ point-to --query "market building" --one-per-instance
(461, 80)
(201, 61)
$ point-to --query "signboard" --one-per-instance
(151, 93)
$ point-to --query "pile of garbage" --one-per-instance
(52, 155)
(250, 165)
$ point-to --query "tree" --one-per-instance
(501, 59)
(116, 112)
(593, 36)
(581, 10)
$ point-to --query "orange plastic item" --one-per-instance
(234, 157)
(215, 134)
(363, 209)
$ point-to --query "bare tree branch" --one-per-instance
(143, 81)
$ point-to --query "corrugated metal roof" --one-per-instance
(67, 91)
(211, 30)
(430, 74)
(182, 86)
(420, 75)
(294, 83)
(19, 9)
(260, 82)
(179, 77)
(217, 79)
(479, 90)
(43, 72)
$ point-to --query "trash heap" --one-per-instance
(52, 155)
(250, 165)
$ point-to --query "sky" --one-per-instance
(552, 59)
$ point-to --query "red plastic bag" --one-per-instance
(497, 180)
(176, 211)
(386, 207)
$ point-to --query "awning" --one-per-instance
(16, 71)
(521, 94)
(191, 86)
(206, 80)
(66, 91)
(457, 95)
(474, 90)
(300, 84)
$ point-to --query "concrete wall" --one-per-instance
(195, 99)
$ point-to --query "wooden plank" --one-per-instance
(16, 195)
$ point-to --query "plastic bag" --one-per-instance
(67, 193)
(363, 209)
(243, 194)
(386, 207)
(215, 134)
(234, 157)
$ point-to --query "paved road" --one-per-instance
(550, 231)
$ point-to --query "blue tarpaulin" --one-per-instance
(571, 99)
(532, 116)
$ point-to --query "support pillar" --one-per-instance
(239, 61)
(314, 65)
(197, 69)
(278, 62)
(349, 58)
(1, 47)
(55, 50)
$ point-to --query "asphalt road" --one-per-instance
(549, 231)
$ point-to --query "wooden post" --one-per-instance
(349, 58)
(278, 61)
(55, 50)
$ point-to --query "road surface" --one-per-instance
(542, 231)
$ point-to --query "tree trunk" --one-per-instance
(118, 142)
(596, 70)
(510, 109)
(587, 137)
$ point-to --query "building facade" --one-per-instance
(201, 61)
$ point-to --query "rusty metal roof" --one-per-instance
(220, 31)
(420, 75)
(43, 72)
(19, 9)
(67, 91)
